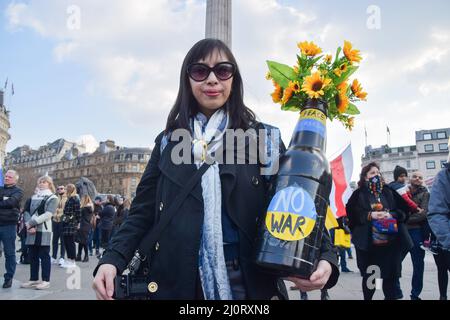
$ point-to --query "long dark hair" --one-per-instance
(186, 105)
(364, 171)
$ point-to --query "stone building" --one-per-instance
(112, 169)
(428, 155)
(4, 127)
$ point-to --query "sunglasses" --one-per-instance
(200, 72)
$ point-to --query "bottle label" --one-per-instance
(291, 214)
(312, 120)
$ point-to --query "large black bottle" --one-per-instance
(290, 234)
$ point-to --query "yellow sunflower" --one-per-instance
(328, 58)
(295, 86)
(314, 85)
(276, 95)
(342, 102)
(309, 49)
(352, 55)
(342, 87)
(339, 71)
(351, 123)
(287, 95)
(358, 90)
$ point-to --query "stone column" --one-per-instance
(218, 20)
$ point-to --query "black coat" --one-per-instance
(107, 217)
(174, 261)
(388, 258)
(72, 215)
(85, 224)
(10, 198)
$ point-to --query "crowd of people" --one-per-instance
(59, 218)
(54, 218)
(388, 221)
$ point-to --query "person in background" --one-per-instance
(87, 211)
(416, 224)
(10, 199)
(439, 221)
(39, 238)
(22, 231)
(399, 185)
(94, 236)
(106, 222)
(71, 221)
(119, 216)
(57, 227)
(371, 202)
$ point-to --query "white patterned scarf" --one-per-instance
(213, 272)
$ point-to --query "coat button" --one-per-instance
(255, 181)
(157, 246)
(161, 206)
(152, 287)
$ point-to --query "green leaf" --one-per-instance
(281, 73)
(350, 70)
(352, 110)
(313, 61)
(338, 51)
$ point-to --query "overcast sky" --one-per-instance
(116, 77)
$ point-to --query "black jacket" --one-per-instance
(107, 217)
(358, 208)
(174, 260)
(10, 198)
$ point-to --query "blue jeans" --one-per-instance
(94, 236)
(8, 238)
(417, 258)
(343, 262)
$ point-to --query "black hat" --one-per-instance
(398, 171)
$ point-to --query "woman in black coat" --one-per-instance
(107, 221)
(71, 224)
(377, 252)
(226, 204)
(87, 210)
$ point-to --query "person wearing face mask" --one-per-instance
(39, 228)
(377, 216)
(206, 250)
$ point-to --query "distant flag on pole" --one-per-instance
(341, 169)
(6, 83)
(387, 129)
(12, 89)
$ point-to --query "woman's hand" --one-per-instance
(103, 284)
(317, 281)
(31, 230)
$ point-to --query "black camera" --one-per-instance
(131, 287)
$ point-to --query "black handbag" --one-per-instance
(137, 284)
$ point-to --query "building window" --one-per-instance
(408, 163)
(442, 135)
(429, 148)
(443, 147)
(443, 162)
(431, 165)
(401, 149)
(427, 136)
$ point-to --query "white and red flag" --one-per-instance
(341, 169)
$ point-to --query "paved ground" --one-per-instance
(77, 285)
